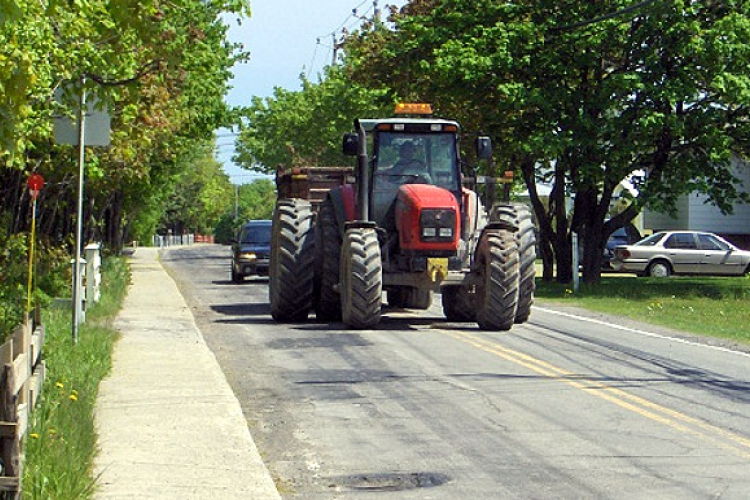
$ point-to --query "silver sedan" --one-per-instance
(681, 252)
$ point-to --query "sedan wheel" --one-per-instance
(659, 269)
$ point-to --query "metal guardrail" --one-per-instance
(173, 240)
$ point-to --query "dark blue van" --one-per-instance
(251, 250)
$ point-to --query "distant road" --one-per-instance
(558, 408)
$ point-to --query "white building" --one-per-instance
(694, 213)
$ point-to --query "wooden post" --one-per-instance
(10, 449)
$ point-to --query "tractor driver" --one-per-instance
(406, 163)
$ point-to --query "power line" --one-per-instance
(353, 14)
(344, 29)
(604, 17)
(312, 62)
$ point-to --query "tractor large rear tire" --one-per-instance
(327, 298)
(291, 267)
(459, 303)
(497, 294)
(519, 215)
(361, 278)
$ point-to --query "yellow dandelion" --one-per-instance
(34, 435)
(73, 397)
(52, 431)
(59, 385)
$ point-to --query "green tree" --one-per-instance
(202, 193)
(583, 95)
(162, 68)
(253, 201)
(305, 127)
(257, 199)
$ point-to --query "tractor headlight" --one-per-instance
(437, 224)
(248, 256)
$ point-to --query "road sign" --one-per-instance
(96, 124)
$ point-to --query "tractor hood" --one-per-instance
(427, 219)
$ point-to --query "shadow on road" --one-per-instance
(263, 280)
(244, 309)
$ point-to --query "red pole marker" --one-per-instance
(35, 184)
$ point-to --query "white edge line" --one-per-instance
(641, 332)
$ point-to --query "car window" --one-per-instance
(681, 241)
(709, 242)
(651, 240)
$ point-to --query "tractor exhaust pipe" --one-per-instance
(363, 174)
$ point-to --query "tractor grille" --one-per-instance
(437, 225)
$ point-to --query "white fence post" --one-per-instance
(81, 302)
(93, 273)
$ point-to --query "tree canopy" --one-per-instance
(305, 127)
(162, 68)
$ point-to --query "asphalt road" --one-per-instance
(563, 406)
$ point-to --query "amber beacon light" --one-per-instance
(408, 108)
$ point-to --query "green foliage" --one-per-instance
(201, 195)
(257, 200)
(162, 68)
(254, 201)
(305, 127)
(51, 277)
(61, 443)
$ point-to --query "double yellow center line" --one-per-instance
(676, 420)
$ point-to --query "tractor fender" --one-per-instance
(343, 203)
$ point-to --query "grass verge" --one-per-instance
(61, 442)
(711, 306)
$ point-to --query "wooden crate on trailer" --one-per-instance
(310, 183)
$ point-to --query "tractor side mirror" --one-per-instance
(484, 147)
(350, 144)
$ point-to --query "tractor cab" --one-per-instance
(415, 152)
(403, 151)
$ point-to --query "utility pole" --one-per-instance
(376, 22)
(79, 218)
(335, 49)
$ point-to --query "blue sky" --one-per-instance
(285, 38)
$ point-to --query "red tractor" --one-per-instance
(405, 226)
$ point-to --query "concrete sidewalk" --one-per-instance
(169, 425)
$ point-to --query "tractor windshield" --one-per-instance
(410, 158)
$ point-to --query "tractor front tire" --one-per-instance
(361, 274)
(291, 267)
(497, 293)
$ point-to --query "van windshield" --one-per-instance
(256, 234)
